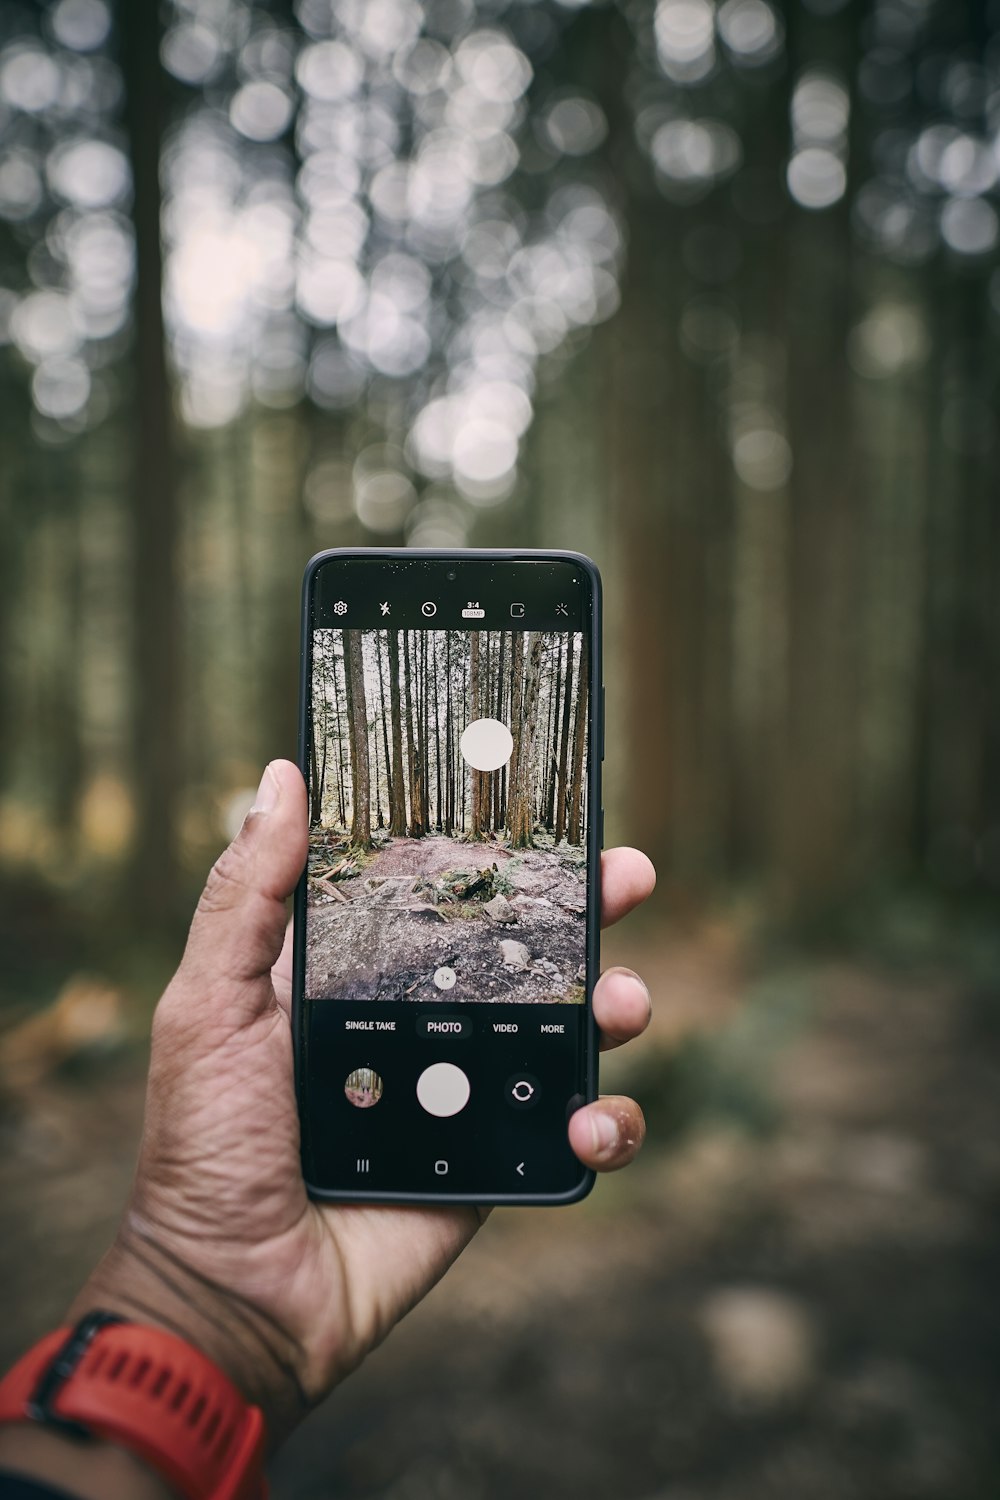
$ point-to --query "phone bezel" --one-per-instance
(595, 833)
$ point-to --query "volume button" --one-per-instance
(602, 720)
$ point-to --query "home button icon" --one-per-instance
(441, 1168)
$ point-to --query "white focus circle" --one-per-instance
(486, 745)
(443, 1090)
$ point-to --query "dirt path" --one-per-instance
(386, 931)
(806, 1312)
(433, 855)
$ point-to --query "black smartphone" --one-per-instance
(446, 928)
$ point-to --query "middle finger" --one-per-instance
(622, 1007)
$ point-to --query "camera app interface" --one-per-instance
(445, 953)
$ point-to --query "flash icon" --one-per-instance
(384, 607)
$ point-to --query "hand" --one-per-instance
(220, 1242)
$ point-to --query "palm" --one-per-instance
(334, 1278)
(219, 1203)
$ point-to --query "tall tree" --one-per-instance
(476, 669)
(425, 737)
(550, 755)
(385, 725)
(412, 748)
(498, 696)
(516, 693)
(576, 803)
(336, 664)
(562, 771)
(397, 817)
(519, 809)
(320, 731)
(437, 735)
(357, 708)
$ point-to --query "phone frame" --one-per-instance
(595, 841)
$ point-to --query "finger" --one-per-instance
(622, 1007)
(238, 928)
(627, 879)
(607, 1135)
(281, 973)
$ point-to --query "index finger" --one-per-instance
(627, 880)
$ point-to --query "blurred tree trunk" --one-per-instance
(156, 728)
(643, 470)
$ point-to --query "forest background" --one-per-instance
(711, 292)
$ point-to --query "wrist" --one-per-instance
(91, 1471)
(145, 1283)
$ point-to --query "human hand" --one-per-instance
(220, 1242)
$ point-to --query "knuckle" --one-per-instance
(226, 884)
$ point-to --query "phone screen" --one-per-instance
(448, 935)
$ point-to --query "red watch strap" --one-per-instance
(150, 1392)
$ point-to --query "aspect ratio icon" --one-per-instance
(429, 608)
(472, 611)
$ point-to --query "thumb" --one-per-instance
(239, 924)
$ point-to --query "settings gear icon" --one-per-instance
(340, 608)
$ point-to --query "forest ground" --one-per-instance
(383, 932)
(796, 1299)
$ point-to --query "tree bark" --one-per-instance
(475, 674)
(385, 727)
(412, 748)
(437, 737)
(516, 690)
(564, 741)
(339, 729)
(575, 831)
(550, 761)
(397, 796)
(498, 697)
(519, 822)
(357, 706)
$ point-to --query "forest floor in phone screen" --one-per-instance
(447, 850)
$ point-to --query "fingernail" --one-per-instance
(267, 793)
(639, 981)
(605, 1131)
